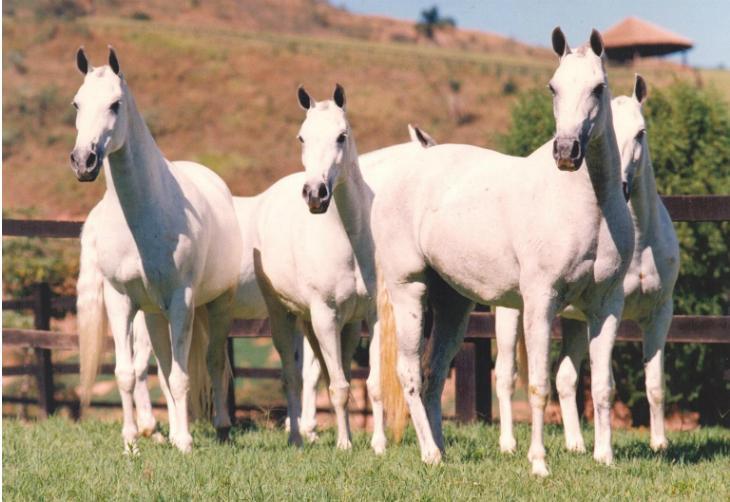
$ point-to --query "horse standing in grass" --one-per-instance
(647, 286)
(314, 261)
(167, 242)
(467, 225)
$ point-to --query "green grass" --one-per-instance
(58, 459)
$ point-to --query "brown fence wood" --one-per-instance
(698, 207)
(42, 228)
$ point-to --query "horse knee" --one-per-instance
(602, 396)
(655, 395)
(374, 390)
(179, 384)
(505, 385)
(340, 396)
(125, 379)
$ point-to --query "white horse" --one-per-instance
(469, 225)
(167, 242)
(317, 264)
(647, 286)
(374, 177)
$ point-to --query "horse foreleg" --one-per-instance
(146, 422)
(120, 312)
(378, 441)
(539, 310)
(284, 335)
(327, 331)
(158, 330)
(602, 328)
(508, 329)
(219, 319)
(450, 319)
(655, 337)
(575, 345)
(180, 314)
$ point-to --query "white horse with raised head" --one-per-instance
(647, 286)
(167, 241)
(314, 260)
(466, 225)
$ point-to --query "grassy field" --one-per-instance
(62, 460)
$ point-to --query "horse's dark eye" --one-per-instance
(598, 90)
(341, 138)
(75, 104)
(301, 140)
(552, 89)
(115, 107)
(640, 135)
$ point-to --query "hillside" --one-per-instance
(216, 82)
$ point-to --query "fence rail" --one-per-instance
(473, 363)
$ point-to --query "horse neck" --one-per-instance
(135, 172)
(353, 198)
(604, 163)
(644, 199)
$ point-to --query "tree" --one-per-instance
(431, 21)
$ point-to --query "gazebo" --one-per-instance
(634, 37)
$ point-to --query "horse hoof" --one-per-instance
(575, 446)
(310, 436)
(344, 444)
(378, 445)
(131, 449)
(605, 457)
(183, 443)
(659, 445)
(539, 468)
(295, 440)
(432, 458)
(223, 434)
(507, 445)
(158, 438)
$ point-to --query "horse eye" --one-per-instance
(598, 90)
(341, 138)
(115, 107)
(301, 140)
(552, 89)
(640, 135)
(75, 104)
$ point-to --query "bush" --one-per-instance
(689, 138)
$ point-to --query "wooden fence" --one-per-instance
(472, 365)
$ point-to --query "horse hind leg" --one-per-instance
(508, 329)
(146, 422)
(311, 371)
(575, 345)
(378, 441)
(655, 338)
(450, 320)
(219, 323)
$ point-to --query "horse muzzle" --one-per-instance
(317, 196)
(568, 153)
(86, 165)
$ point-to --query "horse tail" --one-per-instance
(522, 358)
(91, 315)
(392, 392)
(200, 395)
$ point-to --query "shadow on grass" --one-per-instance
(678, 452)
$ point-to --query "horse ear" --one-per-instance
(304, 100)
(339, 96)
(82, 62)
(424, 138)
(640, 89)
(113, 61)
(560, 45)
(597, 43)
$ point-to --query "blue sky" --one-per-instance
(706, 22)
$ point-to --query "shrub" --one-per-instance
(689, 138)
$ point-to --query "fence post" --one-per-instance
(473, 366)
(44, 364)
(232, 384)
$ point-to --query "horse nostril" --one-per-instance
(555, 148)
(305, 191)
(575, 151)
(91, 160)
(73, 159)
(322, 192)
